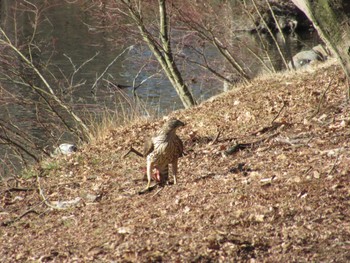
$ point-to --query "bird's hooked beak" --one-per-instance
(173, 124)
(179, 123)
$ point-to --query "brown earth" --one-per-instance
(272, 187)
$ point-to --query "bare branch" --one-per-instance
(51, 93)
(94, 86)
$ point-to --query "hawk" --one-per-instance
(164, 148)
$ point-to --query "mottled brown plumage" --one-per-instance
(164, 148)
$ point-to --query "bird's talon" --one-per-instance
(148, 189)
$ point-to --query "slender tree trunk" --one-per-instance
(171, 70)
(163, 53)
(332, 22)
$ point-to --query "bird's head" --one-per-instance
(172, 125)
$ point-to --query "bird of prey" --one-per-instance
(164, 148)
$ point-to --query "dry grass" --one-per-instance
(126, 111)
(284, 198)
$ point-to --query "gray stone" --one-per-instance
(65, 149)
(304, 58)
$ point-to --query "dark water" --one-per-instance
(73, 41)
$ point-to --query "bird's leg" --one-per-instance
(149, 171)
(174, 169)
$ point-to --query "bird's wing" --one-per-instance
(148, 147)
(180, 146)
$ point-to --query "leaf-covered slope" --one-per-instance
(265, 177)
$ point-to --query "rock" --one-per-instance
(65, 149)
(303, 58)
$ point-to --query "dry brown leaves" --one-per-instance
(284, 197)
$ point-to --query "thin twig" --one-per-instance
(334, 165)
(41, 193)
(19, 189)
(286, 47)
(76, 69)
(271, 33)
(93, 88)
(9, 222)
(261, 41)
(278, 114)
(158, 191)
(50, 91)
(216, 138)
(322, 99)
(143, 81)
(307, 171)
(132, 150)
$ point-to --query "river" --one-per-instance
(73, 40)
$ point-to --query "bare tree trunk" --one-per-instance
(163, 53)
(171, 70)
(332, 21)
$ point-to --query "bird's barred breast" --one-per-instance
(164, 152)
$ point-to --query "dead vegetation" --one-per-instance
(284, 197)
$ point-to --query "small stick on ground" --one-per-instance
(41, 193)
(216, 138)
(157, 192)
(132, 150)
(9, 222)
(19, 189)
(334, 165)
(278, 114)
(322, 99)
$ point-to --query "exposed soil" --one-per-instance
(272, 187)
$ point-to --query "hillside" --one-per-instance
(265, 178)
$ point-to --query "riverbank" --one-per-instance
(282, 197)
